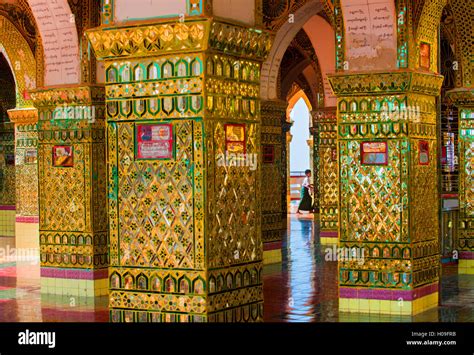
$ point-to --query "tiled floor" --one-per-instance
(301, 289)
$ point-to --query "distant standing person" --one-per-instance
(306, 203)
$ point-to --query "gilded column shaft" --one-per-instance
(464, 99)
(26, 151)
(388, 175)
(26, 175)
(7, 164)
(72, 185)
(274, 179)
(325, 137)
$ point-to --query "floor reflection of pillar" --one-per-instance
(27, 233)
(28, 280)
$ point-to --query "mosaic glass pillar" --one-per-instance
(274, 180)
(7, 181)
(72, 190)
(464, 100)
(26, 166)
(325, 152)
(389, 260)
(183, 125)
(286, 141)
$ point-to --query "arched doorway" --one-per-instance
(296, 74)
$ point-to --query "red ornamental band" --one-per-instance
(154, 141)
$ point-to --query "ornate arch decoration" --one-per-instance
(321, 36)
(57, 27)
(275, 13)
(21, 60)
(427, 32)
(450, 60)
(295, 94)
(300, 57)
(19, 14)
(285, 34)
(463, 17)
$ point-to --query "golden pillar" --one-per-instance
(274, 179)
(7, 182)
(389, 218)
(287, 142)
(26, 166)
(464, 99)
(72, 190)
(326, 175)
(183, 137)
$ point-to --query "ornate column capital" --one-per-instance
(394, 82)
(461, 97)
(74, 95)
(324, 114)
(169, 36)
(23, 115)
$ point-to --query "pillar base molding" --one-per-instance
(388, 301)
(329, 237)
(272, 253)
(74, 282)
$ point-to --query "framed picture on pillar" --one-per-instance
(154, 141)
(425, 55)
(424, 152)
(374, 153)
(31, 156)
(235, 138)
(63, 156)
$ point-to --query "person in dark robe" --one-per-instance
(306, 203)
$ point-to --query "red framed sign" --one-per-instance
(235, 138)
(63, 156)
(154, 141)
(268, 154)
(424, 153)
(374, 153)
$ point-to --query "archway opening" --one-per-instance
(300, 155)
(299, 65)
(7, 155)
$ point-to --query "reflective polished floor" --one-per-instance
(303, 288)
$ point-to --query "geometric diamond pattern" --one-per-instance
(372, 196)
(155, 214)
(233, 235)
(64, 208)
